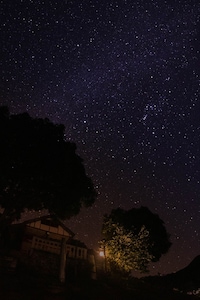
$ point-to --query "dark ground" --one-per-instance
(26, 286)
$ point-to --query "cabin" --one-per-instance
(47, 245)
(47, 234)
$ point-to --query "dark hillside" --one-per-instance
(186, 280)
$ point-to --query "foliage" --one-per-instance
(39, 169)
(126, 250)
(134, 238)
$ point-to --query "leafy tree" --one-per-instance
(134, 238)
(39, 169)
(126, 251)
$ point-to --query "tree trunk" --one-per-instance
(6, 219)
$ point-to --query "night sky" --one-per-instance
(124, 78)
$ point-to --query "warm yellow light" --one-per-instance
(101, 253)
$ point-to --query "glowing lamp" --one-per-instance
(101, 253)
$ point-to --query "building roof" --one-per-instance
(52, 220)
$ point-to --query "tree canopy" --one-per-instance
(134, 238)
(39, 168)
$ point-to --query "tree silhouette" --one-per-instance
(39, 169)
(134, 238)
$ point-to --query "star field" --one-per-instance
(124, 79)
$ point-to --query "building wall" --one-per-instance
(36, 238)
(43, 262)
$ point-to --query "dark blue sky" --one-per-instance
(123, 77)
